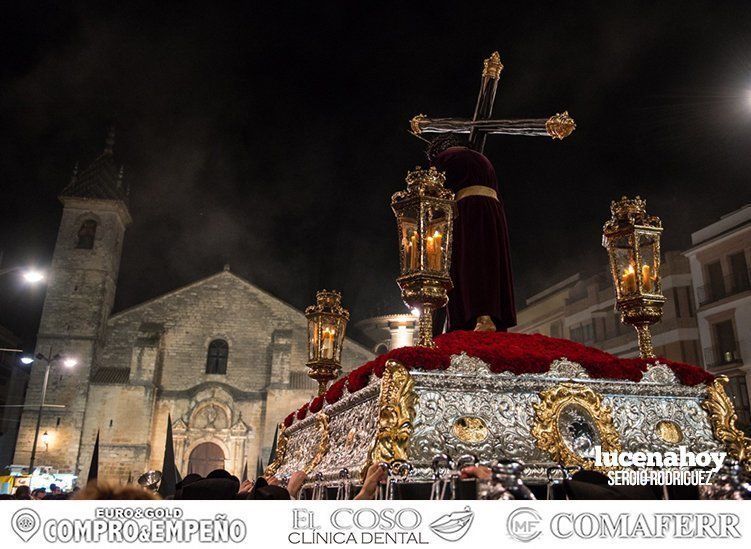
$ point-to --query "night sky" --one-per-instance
(271, 135)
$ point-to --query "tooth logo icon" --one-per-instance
(453, 526)
(25, 523)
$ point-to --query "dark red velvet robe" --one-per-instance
(480, 261)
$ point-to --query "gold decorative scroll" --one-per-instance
(561, 125)
(281, 451)
(546, 429)
(722, 416)
(396, 414)
(322, 424)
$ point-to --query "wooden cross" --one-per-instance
(557, 127)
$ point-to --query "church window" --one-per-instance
(86, 235)
(216, 358)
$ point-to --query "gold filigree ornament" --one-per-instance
(322, 426)
(669, 431)
(722, 416)
(570, 420)
(281, 451)
(470, 429)
(396, 414)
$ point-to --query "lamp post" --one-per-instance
(632, 239)
(32, 276)
(48, 361)
(327, 324)
(424, 216)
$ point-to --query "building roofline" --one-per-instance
(573, 279)
(706, 234)
(719, 237)
(296, 312)
(385, 318)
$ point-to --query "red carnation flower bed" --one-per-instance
(315, 405)
(303, 411)
(336, 390)
(516, 353)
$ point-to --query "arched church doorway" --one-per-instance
(204, 458)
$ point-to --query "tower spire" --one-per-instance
(74, 175)
(109, 143)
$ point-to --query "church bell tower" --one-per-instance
(81, 287)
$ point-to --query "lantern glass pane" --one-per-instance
(649, 268)
(313, 338)
(436, 242)
(410, 244)
(339, 339)
(625, 264)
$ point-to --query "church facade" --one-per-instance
(220, 359)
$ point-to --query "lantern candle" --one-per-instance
(628, 280)
(437, 250)
(413, 257)
(430, 253)
(406, 244)
(327, 349)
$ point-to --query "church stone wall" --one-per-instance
(122, 415)
(164, 344)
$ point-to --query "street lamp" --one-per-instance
(48, 361)
(31, 275)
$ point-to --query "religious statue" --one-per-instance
(483, 295)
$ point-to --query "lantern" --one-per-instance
(327, 323)
(632, 239)
(424, 215)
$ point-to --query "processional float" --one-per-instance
(532, 408)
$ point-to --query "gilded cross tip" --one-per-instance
(559, 126)
(492, 66)
(414, 124)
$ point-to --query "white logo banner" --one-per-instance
(376, 523)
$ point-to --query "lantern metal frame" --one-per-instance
(327, 326)
(638, 288)
(426, 208)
